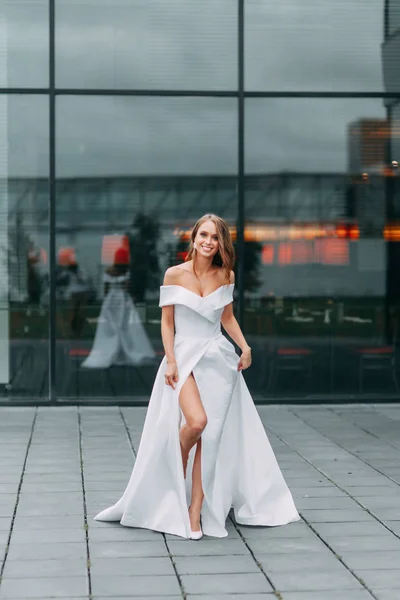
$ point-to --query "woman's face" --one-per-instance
(206, 240)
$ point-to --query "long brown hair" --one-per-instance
(225, 257)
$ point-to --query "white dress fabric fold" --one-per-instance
(239, 468)
(120, 338)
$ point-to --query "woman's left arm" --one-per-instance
(232, 328)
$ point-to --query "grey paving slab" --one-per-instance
(115, 532)
(9, 488)
(337, 515)
(127, 549)
(295, 561)
(139, 586)
(293, 530)
(267, 595)
(208, 547)
(130, 567)
(47, 536)
(203, 565)
(387, 514)
(46, 587)
(393, 526)
(279, 546)
(53, 477)
(52, 486)
(116, 486)
(13, 478)
(380, 502)
(46, 551)
(319, 492)
(326, 595)
(387, 594)
(147, 597)
(28, 569)
(385, 560)
(49, 523)
(226, 583)
(326, 503)
(364, 543)
(309, 580)
(5, 523)
(380, 579)
(371, 528)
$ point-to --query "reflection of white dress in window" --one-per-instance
(120, 336)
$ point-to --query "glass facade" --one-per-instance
(121, 123)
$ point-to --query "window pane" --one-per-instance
(133, 175)
(24, 295)
(322, 287)
(24, 29)
(394, 16)
(147, 44)
(314, 45)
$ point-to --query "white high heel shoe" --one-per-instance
(196, 535)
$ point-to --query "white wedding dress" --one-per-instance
(120, 337)
(239, 468)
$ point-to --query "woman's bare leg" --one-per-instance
(197, 490)
(189, 435)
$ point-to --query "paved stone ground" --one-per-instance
(60, 466)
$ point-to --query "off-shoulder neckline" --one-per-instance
(198, 295)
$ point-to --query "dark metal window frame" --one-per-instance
(240, 94)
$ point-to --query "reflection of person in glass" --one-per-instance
(202, 425)
(74, 288)
(120, 336)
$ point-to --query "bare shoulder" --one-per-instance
(232, 277)
(173, 275)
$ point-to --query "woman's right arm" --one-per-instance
(168, 335)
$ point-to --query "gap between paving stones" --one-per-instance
(18, 494)
(86, 526)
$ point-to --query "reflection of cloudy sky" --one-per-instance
(147, 136)
(191, 44)
(309, 45)
(188, 44)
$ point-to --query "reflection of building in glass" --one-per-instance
(299, 219)
(391, 72)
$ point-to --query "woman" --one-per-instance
(201, 424)
(120, 337)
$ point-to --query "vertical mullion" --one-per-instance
(52, 208)
(241, 188)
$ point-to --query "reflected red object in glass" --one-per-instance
(285, 254)
(294, 352)
(66, 257)
(267, 254)
(78, 352)
(332, 252)
(115, 250)
(379, 350)
(181, 256)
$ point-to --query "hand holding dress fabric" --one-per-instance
(171, 374)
